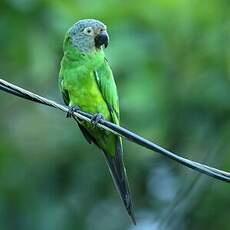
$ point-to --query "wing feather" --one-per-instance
(107, 86)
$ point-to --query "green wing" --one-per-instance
(64, 92)
(107, 86)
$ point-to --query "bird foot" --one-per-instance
(71, 111)
(96, 118)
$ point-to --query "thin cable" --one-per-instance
(202, 168)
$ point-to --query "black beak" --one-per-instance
(101, 39)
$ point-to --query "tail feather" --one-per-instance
(118, 172)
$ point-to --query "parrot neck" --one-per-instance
(74, 59)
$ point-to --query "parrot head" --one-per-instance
(88, 35)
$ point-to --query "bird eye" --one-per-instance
(88, 31)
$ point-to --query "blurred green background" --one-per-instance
(171, 62)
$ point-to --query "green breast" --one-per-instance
(84, 92)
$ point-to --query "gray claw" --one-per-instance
(96, 118)
(72, 110)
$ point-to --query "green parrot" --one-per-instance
(86, 82)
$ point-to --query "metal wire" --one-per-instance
(118, 130)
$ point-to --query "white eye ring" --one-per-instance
(88, 31)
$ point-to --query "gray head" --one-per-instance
(89, 35)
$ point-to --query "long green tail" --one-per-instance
(118, 172)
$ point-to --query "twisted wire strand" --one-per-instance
(118, 130)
